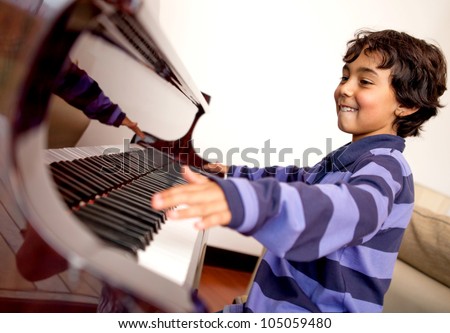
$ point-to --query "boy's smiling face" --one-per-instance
(365, 100)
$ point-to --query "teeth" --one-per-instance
(347, 109)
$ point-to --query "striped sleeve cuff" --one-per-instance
(234, 200)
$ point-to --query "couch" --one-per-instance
(421, 281)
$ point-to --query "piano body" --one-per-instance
(91, 205)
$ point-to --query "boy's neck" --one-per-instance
(359, 137)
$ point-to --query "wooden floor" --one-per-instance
(219, 286)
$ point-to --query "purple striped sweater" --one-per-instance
(78, 89)
(332, 232)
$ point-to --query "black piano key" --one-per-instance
(83, 178)
(123, 222)
(127, 215)
(105, 233)
(111, 219)
(94, 169)
(139, 214)
(142, 200)
(144, 162)
(69, 197)
(89, 176)
(138, 191)
(148, 187)
(132, 199)
(141, 161)
(169, 178)
(139, 194)
(157, 158)
(72, 185)
(162, 180)
(112, 224)
(125, 170)
(147, 179)
(70, 176)
(133, 162)
(107, 168)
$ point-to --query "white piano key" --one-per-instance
(174, 251)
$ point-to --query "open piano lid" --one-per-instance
(33, 59)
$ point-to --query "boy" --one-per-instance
(332, 232)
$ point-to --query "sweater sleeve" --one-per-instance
(282, 174)
(78, 89)
(303, 222)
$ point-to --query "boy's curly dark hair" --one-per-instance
(418, 73)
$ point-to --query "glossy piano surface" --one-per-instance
(47, 195)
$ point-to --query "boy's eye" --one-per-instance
(365, 82)
(344, 79)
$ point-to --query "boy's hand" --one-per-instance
(216, 168)
(133, 126)
(201, 197)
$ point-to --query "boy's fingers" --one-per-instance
(193, 177)
(200, 210)
(164, 201)
(217, 168)
(139, 133)
(222, 218)
(185, 194)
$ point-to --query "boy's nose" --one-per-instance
(346, 89)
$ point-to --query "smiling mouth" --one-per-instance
(347, 109)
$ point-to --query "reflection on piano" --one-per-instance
(92, 205)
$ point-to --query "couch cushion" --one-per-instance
(413, 291)
(426, 244)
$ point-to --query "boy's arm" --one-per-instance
(282, 174)
(304, 222)
(78, 89)
(298, 221)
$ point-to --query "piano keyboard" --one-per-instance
(109, 191)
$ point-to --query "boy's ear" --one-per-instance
(402, 111)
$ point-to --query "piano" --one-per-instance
(91, 205)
